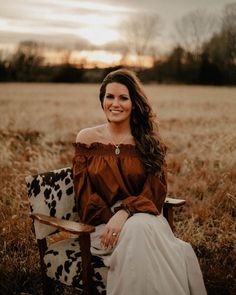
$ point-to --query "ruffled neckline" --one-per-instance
(105, 148)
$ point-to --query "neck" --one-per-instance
(119, 128)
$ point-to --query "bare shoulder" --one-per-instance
(85, 135)
(90, 135)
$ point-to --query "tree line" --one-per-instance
(205, 53)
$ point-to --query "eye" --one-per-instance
(109, 96)
(124, 98)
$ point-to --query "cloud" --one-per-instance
(64, 20)
(40, 19)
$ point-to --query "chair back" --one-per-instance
(51, 193)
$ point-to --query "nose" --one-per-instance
(115, 102)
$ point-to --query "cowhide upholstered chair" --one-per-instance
(64, 242)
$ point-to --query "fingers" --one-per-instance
(114, 240)
(109, 239)
(113, 228)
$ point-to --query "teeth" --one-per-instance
(115, 112)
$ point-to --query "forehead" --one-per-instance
(115, 87)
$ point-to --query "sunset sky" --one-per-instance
(67, 22)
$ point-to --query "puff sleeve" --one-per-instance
(91, 207)
(151, 198)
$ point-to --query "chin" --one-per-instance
(116, 120)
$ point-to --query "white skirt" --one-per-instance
(149, 259)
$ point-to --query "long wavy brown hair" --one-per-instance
(144, 127)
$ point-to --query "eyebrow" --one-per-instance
(108, 93)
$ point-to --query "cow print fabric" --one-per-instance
(52, 193)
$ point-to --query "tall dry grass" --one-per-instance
(38, 124)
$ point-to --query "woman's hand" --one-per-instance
(113, 228)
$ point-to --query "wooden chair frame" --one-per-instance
(83, 231)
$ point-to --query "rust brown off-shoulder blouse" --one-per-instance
(101, 178)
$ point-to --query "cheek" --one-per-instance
(106, 108)
(129, 107)
(104, 105)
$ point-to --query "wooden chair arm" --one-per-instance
(83, 230)
(168, 213)
(174, 202)
(63, 224)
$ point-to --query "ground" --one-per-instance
(38, 125)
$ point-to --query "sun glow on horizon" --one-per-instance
(80, 58)
(94, 58)
(100, 58)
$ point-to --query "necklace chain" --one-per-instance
(117, 146)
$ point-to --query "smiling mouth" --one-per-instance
(115, 111)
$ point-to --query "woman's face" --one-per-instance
(117, 104)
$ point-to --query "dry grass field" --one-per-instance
(38, 124)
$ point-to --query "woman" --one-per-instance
(120, 187)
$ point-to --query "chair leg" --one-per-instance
(47, 283)
(47, 286)
(168, 214)
(85, 243)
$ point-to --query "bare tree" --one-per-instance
(26, 61)
(140, 34)
(193, 29)
(229, 30)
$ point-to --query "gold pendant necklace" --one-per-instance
(117, 146)
(117, 149)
